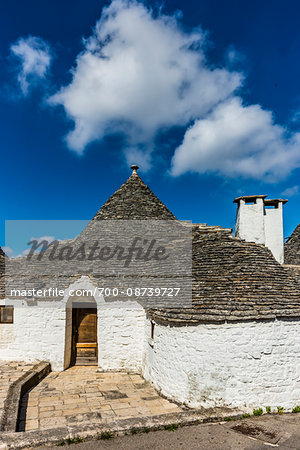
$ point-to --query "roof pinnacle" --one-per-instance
(134, 168)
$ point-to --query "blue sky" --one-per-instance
(204, 95)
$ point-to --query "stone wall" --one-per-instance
(121, 336)
(38, 333)
(246, 364)
(44, 331)
(10, 373)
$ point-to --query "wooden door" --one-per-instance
(85, 336)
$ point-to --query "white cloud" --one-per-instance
(295, 116)
(237, 140)
(20, 255)
(12, 254)
(34, 58)
(233, 56)
(43, 238)
(40, 239)
(291, 191)
(7, 250)
(139, 73)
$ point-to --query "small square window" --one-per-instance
(6, 314)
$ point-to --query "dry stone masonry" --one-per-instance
(235, 342)
(292, 248)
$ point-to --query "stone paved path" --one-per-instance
(87, 395)
(9, 373)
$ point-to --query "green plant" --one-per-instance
(268, 409)
(296, 409)
(105, 435)
(133, 431)
(227, 419)
(69, 441)
(257, 412)
(280, 409)
(171, 427)
(75, 440)
(146, 430)
(246, 415)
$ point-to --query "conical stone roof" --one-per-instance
(134, 200)
(234, 280)
(2, 273)
(292, 248)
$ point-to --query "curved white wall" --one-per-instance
(251, 364)
(247, 365)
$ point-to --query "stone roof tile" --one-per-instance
(232, 279)
(134, 200)
(235, 280)
(292, 248)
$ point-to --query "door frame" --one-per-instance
(74, 344)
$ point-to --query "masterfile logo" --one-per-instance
(146, 260)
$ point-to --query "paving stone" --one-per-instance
(83, 394)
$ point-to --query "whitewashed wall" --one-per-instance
(45, 332)
(245, 365)
(38, 333)
(120, 330)
(250, 221)
(257, 223)
(121, 336)
(274, 232)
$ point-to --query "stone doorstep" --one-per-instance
(90, 431)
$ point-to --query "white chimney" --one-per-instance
(260, 220)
